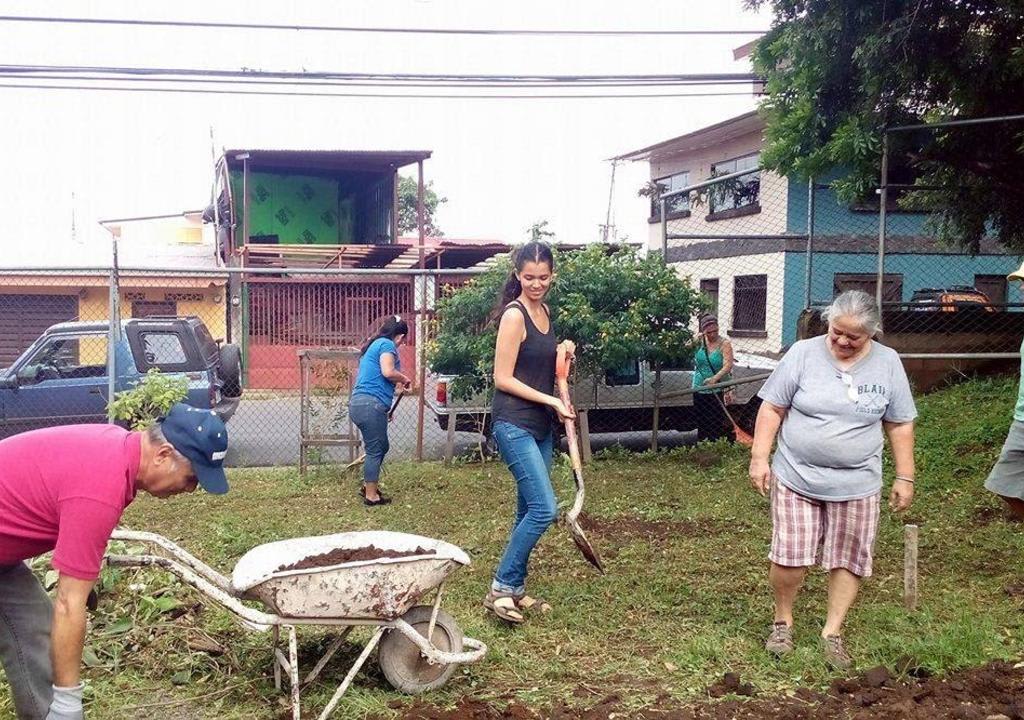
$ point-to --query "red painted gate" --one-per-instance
(287, 315)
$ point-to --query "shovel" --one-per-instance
(571, 518)
(742, 436)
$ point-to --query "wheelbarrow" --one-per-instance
(337, 582)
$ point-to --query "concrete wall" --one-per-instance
(832, 216)
(772, 218)
(726, 269)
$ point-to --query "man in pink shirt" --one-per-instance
(64, 489)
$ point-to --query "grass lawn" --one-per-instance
(686, 597)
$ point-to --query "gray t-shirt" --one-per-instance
(830, 447)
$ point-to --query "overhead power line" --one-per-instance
(356, 29)
(396, 95)
(40, 71)
(344, 83)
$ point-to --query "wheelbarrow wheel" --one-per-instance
(401, 661)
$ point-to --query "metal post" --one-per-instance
(657, 407)
(394, 207)
(113, 334)
(809, 256)
(245, 198)
(657, 371)
(608, 213)
(421, 334)
(664, 233)
(244, 314)
(883, 196)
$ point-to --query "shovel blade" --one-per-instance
(583, 545)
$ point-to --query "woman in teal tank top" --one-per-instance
(712, 363)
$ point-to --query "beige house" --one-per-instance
(744, 243)
(51, 283)
(739, 284)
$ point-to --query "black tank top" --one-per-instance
(535, 366)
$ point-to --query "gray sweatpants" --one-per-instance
(25, 615)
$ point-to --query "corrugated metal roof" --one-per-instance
(370, 160)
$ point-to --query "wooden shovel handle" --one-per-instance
(562, 365)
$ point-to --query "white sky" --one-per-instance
(503, 164)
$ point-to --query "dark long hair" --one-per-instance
(533, 251)
(390, 328)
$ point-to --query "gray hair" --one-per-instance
(155, 435)
(857, 305)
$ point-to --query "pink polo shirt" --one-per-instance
(64, 489)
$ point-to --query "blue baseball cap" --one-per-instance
(200, 436)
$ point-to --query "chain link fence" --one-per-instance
(769, 252)
(55, 339)
(276, 349)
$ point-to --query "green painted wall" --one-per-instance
(298, 209)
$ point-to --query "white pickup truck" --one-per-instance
(623, 400)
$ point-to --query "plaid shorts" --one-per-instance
(844, 532)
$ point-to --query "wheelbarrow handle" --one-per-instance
(177, 552)
(253, 618)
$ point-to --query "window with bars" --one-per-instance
(676, 203)
(892, 284)
(709, 289)
(749, 302)
(154, 308)
(739, 192)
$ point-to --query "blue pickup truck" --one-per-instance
(62, 378)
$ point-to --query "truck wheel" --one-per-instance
(230, 371)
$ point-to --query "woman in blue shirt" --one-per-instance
(379, 372)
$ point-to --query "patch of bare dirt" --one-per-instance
(632, 526)
(995, 690)
(987, 514)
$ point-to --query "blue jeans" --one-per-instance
(25, 617)
(371, 417)
(536, 508)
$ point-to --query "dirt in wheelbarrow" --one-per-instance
(992, 692)
(338, 556)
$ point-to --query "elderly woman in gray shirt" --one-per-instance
(832, 396)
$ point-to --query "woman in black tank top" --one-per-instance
(521, 419)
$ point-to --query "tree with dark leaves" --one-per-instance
(839, 72)
(407, 200)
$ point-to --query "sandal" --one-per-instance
(525, 602)
(504, 606)
(381, 500)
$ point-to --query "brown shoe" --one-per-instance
(835, 654)
(780, 641)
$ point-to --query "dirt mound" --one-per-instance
(986, 515)
(632, 526)
(996, 689)
(339, 556)
(730, 684)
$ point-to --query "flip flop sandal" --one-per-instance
(503, 605)
(528, 603)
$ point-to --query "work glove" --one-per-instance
(67, 703)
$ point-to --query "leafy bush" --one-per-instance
(150, 399)
(615, 305)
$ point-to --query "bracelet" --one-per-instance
(906, 479)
